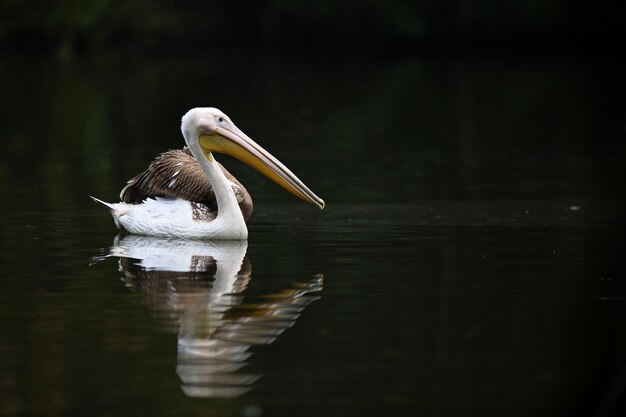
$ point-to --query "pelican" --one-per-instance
(187, 194)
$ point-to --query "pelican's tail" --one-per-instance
(104, 203)
(117, 210)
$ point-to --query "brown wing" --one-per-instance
(176, 173)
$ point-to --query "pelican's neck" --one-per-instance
(224, 194)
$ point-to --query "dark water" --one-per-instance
(469, 261)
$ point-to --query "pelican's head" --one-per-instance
(213, 131)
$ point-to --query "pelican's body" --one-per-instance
(187, 194)
(176, 217)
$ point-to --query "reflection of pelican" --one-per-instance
(200, 285)
(188, 194)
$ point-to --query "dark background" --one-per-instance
(472, 155)
(368, 28)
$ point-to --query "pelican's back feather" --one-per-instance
(175, 173)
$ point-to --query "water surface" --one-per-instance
(468, 261)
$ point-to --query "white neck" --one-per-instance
(224, 195)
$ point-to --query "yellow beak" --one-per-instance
(234, 142)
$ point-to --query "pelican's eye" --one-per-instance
(220, 119)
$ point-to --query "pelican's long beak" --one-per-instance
(232, 141)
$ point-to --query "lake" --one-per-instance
(469, 260)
